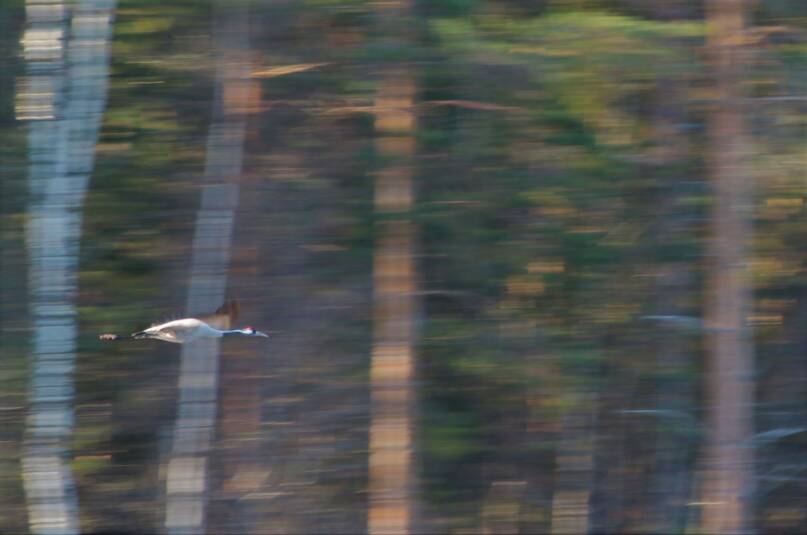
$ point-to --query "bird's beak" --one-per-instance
(259, 333)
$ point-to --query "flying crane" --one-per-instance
(216, 325)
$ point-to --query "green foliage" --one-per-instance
(594, 65)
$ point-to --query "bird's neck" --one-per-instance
(231, 332)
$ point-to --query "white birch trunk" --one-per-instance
(187, 475)
(63, 97)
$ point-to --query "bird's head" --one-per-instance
(249, 331)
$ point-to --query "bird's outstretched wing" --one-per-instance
(224, 317)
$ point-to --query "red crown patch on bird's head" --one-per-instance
(249, 331)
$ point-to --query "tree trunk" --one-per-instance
(574, 470)
(728, 486)
(64, 104)
(187, 475)
(391, 479)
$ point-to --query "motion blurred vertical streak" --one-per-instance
(63, 98)
(391, 473)
(187, 475)
(573, 472)
(728, 487)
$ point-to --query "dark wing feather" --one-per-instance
(224, 317)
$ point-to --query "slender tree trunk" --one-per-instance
(574, 471)
(64, 104)
(502, 510)
(391, 479)
(729, 485)
(187, 476)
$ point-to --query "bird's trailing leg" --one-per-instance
(110, 336)
(135, 336)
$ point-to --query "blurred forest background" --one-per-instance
(527, 266)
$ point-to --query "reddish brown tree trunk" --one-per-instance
(729, 470)
(391, 444)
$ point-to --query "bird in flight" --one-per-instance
(216, 325)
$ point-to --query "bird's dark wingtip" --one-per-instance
(229, 309)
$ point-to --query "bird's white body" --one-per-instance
(182, 331)
(188, 329)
